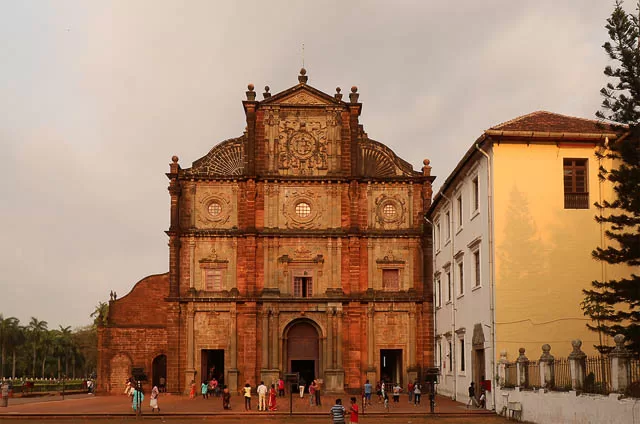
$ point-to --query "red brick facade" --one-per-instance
(296, 247)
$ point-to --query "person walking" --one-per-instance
(368, 388)
(410, 391)
(353, 412)
(472, 395)
(337, 412)
(262, 396)
(281, 387)
(192, 391)
(137, 399)
(204, 389)
(273, 398)
(226, 398)
(247, 397)
(155, 392)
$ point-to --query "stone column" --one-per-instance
(339, 315)
(232, 379)
(371, 368)
(522, 369)
(275, 349)
(265, 338)
(192, 263)
(547, 374)
(190, 372)
(502, 368)
(577, 365)
(412, 339)
(330, 365)
(620, 366)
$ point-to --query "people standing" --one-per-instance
(273, 398)
(472, 395)
(192, 392)
(367, 392)
(155, 392)
(137, 399)
(247, 397)
(226, 398)
(337, 412)
(353, 412)
(396, 393)
(318, 399)
(312, 393)
(410, 391)
(301, 384)
(262, 397)
(204, 389)
(417, 392)
(280, 387)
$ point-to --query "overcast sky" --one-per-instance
(96, 96)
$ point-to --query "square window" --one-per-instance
(302, 286)
(576, 194)
(391, 279)
(213, 279)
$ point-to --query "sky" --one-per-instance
(96, 96)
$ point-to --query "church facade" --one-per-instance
(298, 247)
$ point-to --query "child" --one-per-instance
(353, 416)
(226, 398)
(192, 392)
(204, 388)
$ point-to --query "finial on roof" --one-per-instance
(426, 169)
(173, 166)
(338, 95)
(251, 95)
(266, 93)
(303, 78)
(353, 97)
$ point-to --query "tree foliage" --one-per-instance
(614, 304)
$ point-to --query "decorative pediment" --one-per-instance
(303, 98)
(224, 159)
(301, 95)
(378, 161)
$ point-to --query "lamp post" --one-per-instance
(138, 398)
(63, 376)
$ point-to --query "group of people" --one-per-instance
(314, 392)
(267, 397)
(137, 396)
(338, 412)
(480, 402)
(414, 390)
(211, 389)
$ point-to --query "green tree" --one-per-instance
(614, 305)
(6, 327)
(36, 331)
(100, 314)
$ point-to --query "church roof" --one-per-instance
(542, 120)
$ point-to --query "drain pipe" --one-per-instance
(492, 294)
(454, 359)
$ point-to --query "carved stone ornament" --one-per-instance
(214, 210)
(390, 211)
(302, 98)
(302, 209)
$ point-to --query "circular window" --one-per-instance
(215, 208)
(389, 210)
(303, 210)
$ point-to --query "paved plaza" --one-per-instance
(176, 408)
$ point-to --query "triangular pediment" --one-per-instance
(301, 95)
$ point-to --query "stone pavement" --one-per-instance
(177, 405)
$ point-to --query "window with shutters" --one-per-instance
(302, 286)
(213, 279)
(576, 194)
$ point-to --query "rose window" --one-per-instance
(214, 208)
(389, 211)
(303, 210)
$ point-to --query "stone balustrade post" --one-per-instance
(522, 369)
(547, 368)
(577, 365)
(502, 368)
(620, 366)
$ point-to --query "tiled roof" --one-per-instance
(553, 122)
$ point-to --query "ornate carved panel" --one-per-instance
(214, 208)
(303, 208)
(390, 211)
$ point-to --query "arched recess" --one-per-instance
(303, 349)
(159, 371)
(119, 372)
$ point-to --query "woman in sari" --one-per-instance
(154, 399)
(273, 394)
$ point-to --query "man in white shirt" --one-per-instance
(262, 397)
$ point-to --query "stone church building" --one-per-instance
(297, 247)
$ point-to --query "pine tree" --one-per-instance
(614, 305)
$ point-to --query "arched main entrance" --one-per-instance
(303, 350)
(159, 372)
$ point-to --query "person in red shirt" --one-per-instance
(353, 412)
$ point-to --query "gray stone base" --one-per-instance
(189, 377)
(270, 377)
(232, 380)
(334, 381)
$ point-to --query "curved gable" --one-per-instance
(224, 159)
(379, 161)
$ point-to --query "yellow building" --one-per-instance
(514, 229)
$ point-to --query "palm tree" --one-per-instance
(16, 339)
(67, 345)
(6, 325)
(36, 330)
(100, 314)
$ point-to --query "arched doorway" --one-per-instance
(303, 350)
(159, 372)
